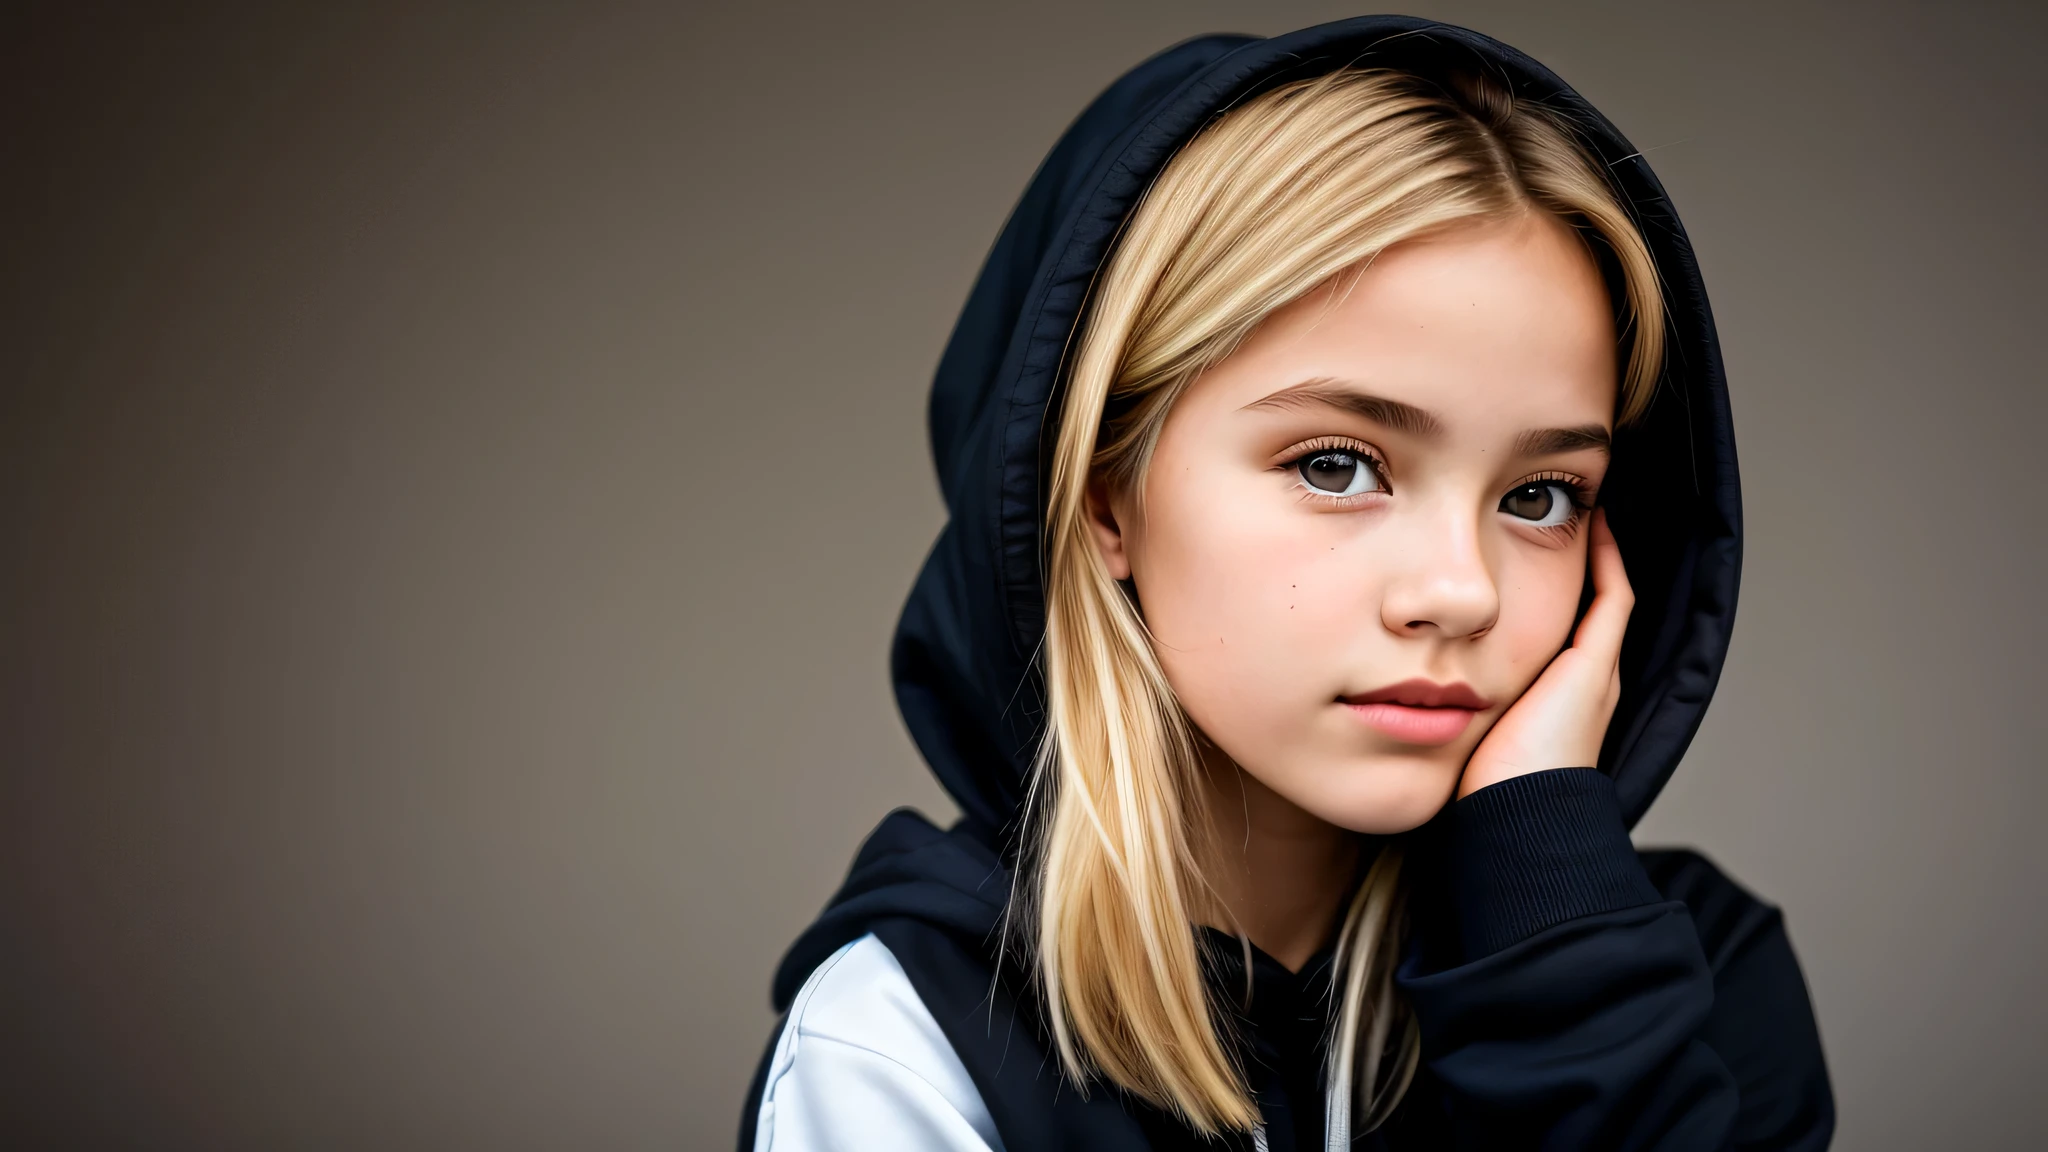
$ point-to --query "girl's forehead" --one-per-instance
(1488, 326)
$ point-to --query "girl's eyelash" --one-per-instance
(1364, 451)
(1327, 443)
(1578, 491)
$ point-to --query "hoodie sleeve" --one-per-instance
(1567, 1003)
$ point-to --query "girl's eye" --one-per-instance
(1339, 472)
(1545, 504)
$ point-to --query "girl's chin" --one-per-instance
(1381, 797)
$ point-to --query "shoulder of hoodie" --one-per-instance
(860, 1061)
(1731, 921)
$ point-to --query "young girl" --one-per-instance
(1344, 544)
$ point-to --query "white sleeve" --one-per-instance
(861, 1064)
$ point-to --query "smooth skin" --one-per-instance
(1391, 480)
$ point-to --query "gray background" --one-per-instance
(462, 463)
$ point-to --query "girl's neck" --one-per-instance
(1279, 872)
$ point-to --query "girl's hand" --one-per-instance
(1561, 720)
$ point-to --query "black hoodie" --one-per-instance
(1572, 993)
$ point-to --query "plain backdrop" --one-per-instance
(461, 463)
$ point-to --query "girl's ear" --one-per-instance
(1107, 530)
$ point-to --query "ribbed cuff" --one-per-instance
(1535, 851)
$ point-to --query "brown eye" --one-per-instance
(1339, 472)
(1543, 505)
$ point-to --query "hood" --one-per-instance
(963, 657)
(964, 650)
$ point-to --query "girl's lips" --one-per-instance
(1415, 725)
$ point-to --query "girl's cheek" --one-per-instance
(1226, 539)
(1540, 600)
(1252, 608)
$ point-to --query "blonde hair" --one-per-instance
(1273, 199)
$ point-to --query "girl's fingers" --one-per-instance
(1607, 618)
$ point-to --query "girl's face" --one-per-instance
(1363, 535)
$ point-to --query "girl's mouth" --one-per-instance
(1414, 725)
(1418, 711)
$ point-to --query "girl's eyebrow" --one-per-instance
(1348, 397)
(1557, 441)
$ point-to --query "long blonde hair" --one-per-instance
(1273, 199)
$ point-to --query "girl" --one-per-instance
(1283, 659)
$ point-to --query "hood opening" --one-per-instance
(964, 657)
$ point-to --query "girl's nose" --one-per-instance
(1442, 584)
